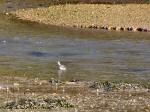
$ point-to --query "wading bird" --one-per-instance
(61, 67)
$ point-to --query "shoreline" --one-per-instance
(82, 95)
(125, 17)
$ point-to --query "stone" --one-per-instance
(140, 29)
(122, 28)
(145, 30)
(118, 28)
(90, 26)
(111, 28)
(129, 28)
(134, 29)
(6, 13)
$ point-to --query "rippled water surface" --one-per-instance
(34, 50)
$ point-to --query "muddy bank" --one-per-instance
(126, 17)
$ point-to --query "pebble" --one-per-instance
(6, 13)
(16, 84)
(114, 28)
(140, 29)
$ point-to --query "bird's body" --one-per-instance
(61, 67)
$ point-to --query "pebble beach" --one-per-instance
(119, 17)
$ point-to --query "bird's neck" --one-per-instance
(59, 63)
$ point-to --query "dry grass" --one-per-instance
(127, 98)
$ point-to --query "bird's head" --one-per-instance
(58, 63)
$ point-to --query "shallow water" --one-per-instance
(88, 54)
(34, 50)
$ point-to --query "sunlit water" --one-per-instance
(87, 54)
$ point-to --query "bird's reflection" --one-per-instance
(60, 72)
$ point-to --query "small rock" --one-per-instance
(95, 26)
(74, 26)
(6, 13)
(140, 29)
(122, 28)
(54, 81)
(118, 28)
(111, 28)
(104, 27)
(95, 85)
(107, 86)
(135, 29)
(70, 83)
(81, 26)
(16, 84)
(129, 28)
(90, 26)
(145, 30)
(74, 80)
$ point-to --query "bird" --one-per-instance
(61, 67)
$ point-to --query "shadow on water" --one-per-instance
(39, 54)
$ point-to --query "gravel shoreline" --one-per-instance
(119, 17)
